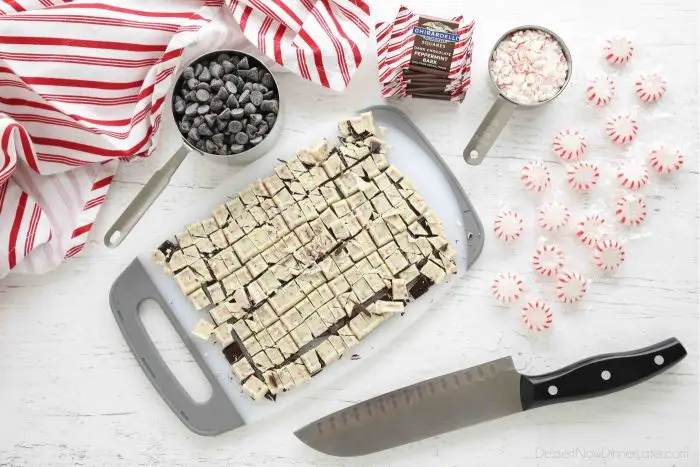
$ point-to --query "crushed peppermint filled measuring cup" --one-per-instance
(529, 66)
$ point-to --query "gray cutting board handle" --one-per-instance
(209, 418)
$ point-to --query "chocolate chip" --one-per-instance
(250, 108)
(216, 84)
(216, 105)
(232, 102)
(191, 96)
(223, 58)
(237, 148)
(185, 127)
(237, 114)
(263, 128)
(235, 126)
(270, 106)
(243, 64)
(255, 140)
(200, 145)
(203, 109)
(229, 77)
(230, 87)
(193, 134)
(216, 70)
(225, 114)
(221, 125)
(239, 82)
(184, 91)
(203, 95)
(204, 86)
(222, 95)
(209, 146)
(198, 69)
(251, 130)
(179, 105)
(188, 118)
(188, 73)
(210, 119)
(218, 139)
(244, 97)
(198, 120)
(191, 109)
(228, 66)
(222, 151)
(267, 80)
(269, 95)
(256, 98)
(247, 86)
(255, 119)
(270, 119)
(205, 75)
(192, 83)
(241, 138)
(204, 130)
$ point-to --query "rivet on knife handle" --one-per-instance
(144, 199)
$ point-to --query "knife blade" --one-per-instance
(478, 394)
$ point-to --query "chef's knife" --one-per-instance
(484, 392)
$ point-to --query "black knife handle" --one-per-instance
(597, 376)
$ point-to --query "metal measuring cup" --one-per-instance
(501, 110)
(160, 179)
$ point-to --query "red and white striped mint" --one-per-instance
(665, 160)
(588, 230)
(622, 129)
(600, 90)
(536, 176)
(569, 145)
(537, 316)
(650, 88)
(609, 255)
(548, 260)
(553, 216)
(571, 287)
(508, 225)
(618, 50)
(582, 176)
(507, 287)
(631, 210)
(633, 175)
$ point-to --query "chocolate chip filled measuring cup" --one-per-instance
(529, 66)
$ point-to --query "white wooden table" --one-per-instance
(71, 392)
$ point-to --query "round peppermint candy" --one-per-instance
(608, 255)
(507, 287)
(548, 260)
(618, 50)
(632, 175)
(536, 176)
(569, 146)
(553, 216)
(631, 210)
(571, 287)
(537, 316)
(600, 90)
(665, 160)
(588, 229)
(582, 176)
(650, 88)
(508, 225)
(622, 129)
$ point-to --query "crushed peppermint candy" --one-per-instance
(529, 67)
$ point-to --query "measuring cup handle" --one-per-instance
(144, 199)
(488, 131)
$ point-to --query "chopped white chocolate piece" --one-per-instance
(277, 331)
(245, 249)
(242, 330)
(326, 315)
(256, 266)
(287, 346)
(252, 345)
(396, 262)
(273, 382)
(375, 282)
(255, 292)
(177, 261)
(218, 267)
(187, 281)
(316, 324)
(291, 319)
(299, 373)
(223, 335)
(302, 335)
(191, 254)
(199, 299)
(342, 259)
(380, 233)
(383, 307)
(255, 388)
(399, 291)
(184, 239)
(285, 378)
(196, 230)
(327, 352)
(293, 216)
(338, 344)
(264, 339)
(262, 361)
(339, 285)
(216, 292)
(241, 298)
(233, 233)
(348, 337)
(230, 284)
(203, 329)
(242, 369)
(433, 272)
(311, 361)
(363, 290)
(305, 308)
(220, 313)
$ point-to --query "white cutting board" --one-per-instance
(417, 159)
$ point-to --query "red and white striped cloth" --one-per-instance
(82, 86)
